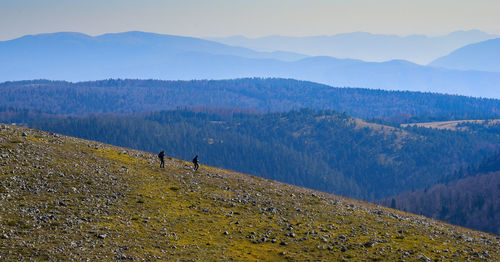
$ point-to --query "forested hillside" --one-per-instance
(470, 202)
(487, 165)
(324, 150)
(468, 197)
(265, 95)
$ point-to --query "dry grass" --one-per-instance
(451, 125)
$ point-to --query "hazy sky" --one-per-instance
(251, 18)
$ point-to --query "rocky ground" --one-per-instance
(63, 198)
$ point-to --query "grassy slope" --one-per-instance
(451, 125)
(63, 198)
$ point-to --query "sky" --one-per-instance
(251, 18)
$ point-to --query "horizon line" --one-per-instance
(257, 37)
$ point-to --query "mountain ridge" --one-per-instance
(482, 56)
(271, 94)
(151, 56)
(366, 46)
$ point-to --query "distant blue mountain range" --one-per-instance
(76, 57)
(419, 49)
(483, 56)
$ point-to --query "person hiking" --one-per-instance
(161, 156)
(195, 162)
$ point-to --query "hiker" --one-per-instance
(195, 162)
(161, 156)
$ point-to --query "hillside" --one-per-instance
(139, 55)
(124, 96)
(64, 198)
(468, 197)
(482, 56)
(471, 202)
(453, 125)
(324, 150)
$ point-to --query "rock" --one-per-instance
(283, 243)
(101, 236)
(343, 249)
(226, 233)
(423, 258)
(24, 134)
(369, 244)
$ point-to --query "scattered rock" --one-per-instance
(102, 236)
(424, 258)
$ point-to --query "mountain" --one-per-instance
(419, 49)
(263, 95)
(64, 198)
(77, 57)
(483, 56)
(470, 202)
(468, 197)
(323, 150)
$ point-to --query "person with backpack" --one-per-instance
(195, 162)
(161, 156)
